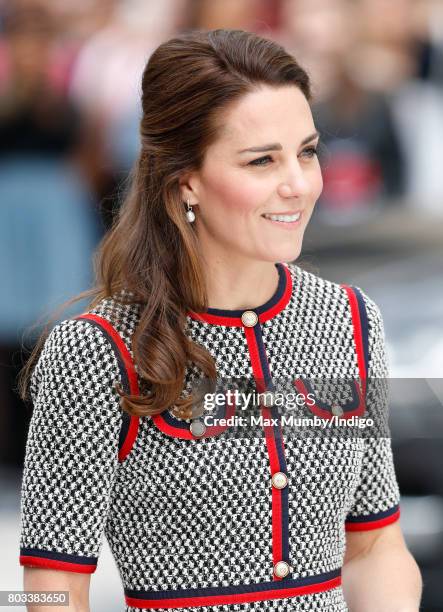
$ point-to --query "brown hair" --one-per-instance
(151, 250)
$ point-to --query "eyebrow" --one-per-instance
(276, 146)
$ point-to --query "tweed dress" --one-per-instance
(201, 514)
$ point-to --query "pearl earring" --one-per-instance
(190, 215)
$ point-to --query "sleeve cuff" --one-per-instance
(49, 559)
(365, 522)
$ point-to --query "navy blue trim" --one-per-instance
(124, 429)
(126, 418)
(57, 556)
(351, 405)
(366, 518)
(283, 492)
(269, 386)
(267, 379)
(278, 438)
(281, 287)
(364, 325)
(170, 419)
(235, 589)
(121, 363)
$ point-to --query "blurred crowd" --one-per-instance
(70, 106)
(70, 74)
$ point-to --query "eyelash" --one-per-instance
(254, 162)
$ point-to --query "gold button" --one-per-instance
(337, 410)
(281, 569)
(249, 318)
(197, 428)
(279, 480)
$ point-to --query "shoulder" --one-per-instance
(342, 304)
(325, 291)
(72, 388)
(82, 350)
(120, 311)
(74, 351)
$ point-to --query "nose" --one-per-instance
(295, 183)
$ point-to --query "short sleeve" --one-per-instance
(71, 456)
(376, 501)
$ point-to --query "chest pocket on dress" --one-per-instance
(209, 423)
(341, 397)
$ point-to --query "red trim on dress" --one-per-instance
(274, 463)
(358, 338)
(185, 434)
(54, 564)
(262, 317)
(321, 412)
(366, 526)
(132, 378)
(283, 301)
(277, 518)
(153, 604)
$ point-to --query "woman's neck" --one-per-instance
(239, 287)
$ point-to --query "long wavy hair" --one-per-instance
(151, 251)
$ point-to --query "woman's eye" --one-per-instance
(311, 151)
(258, 162)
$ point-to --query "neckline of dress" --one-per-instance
(264, 312)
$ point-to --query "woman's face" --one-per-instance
(236, 187)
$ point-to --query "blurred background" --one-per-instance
(69, 110)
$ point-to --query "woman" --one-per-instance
(197, 517)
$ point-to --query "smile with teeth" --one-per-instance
(283, 218)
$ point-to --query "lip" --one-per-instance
(286, 225)
(287, 212)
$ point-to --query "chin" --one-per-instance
(279, 258)
(287, 255)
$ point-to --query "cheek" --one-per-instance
(317, 184)
(231, 193)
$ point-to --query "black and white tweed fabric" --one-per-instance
(197, 514)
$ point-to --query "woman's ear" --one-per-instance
(188, 185)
